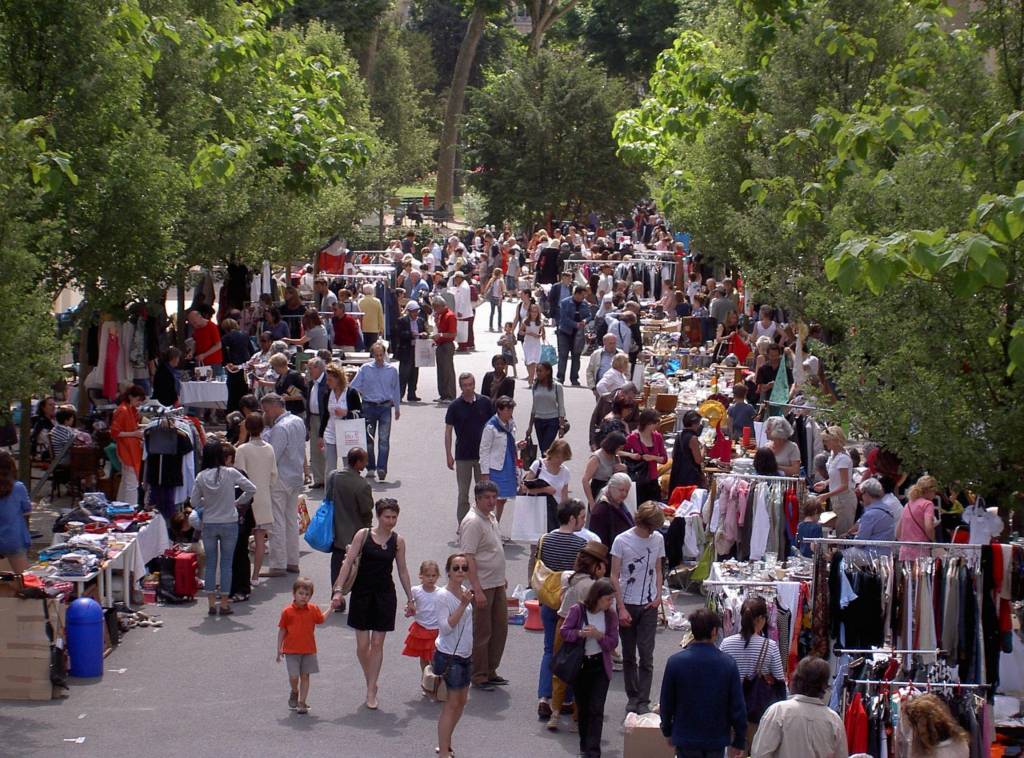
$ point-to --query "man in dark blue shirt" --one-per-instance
(466, 417)
(573, 314)
(702, 707)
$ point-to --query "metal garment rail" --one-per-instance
(800, 407)
(746, 583)
(923, 685)
(890, 543)
(886, 651)
(764, 478)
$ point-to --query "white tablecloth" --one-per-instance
(150, 541)
(204, 394)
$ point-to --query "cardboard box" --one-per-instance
(25, 679)
(646, 742)
(23, 629)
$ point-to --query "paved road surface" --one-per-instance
(206, 686)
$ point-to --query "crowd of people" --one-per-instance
(280, 438)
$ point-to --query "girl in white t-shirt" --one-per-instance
(419, 643)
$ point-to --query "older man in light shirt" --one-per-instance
(315, 393)
(373, 315)
(286, 433)
(601, 360)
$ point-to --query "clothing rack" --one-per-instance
(763, 478)
(925, 685)
(884, 651)
(889, 543)
(770, 585)
(795, 407)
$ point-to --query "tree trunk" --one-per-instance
(179, 319)
(368, 60)
(453, 111)
(24, 444)
(83, 356)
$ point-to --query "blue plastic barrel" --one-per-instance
(85, 637)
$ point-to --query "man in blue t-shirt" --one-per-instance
(466, 417)
(741, 413)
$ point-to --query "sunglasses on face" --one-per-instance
(460, 568)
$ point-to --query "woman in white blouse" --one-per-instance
(342, 403)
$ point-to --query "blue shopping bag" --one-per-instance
(548, 354)
(320, 532)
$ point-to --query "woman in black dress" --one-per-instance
(687, 456)
(373, 603)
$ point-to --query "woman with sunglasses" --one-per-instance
(453, 658)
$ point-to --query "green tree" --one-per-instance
(539, 137)
(626, 38)
(447, 148)
(859, 161)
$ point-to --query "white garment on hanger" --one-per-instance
(265, 279)
(761, 527)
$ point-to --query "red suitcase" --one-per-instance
(185, 568)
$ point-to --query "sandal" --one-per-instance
(226, 610)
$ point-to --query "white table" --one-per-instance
(211, 394)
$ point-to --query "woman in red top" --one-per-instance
(207, 351)
(124, 428)
(346, 328)
(647, 444)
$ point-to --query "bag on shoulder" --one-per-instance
(546, 583)
(346, 586)
(567, 662)
(761, 690)
(319, 534)
(433, 684)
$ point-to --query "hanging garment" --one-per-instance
(761, 527)
(856, 726)
(110, 361)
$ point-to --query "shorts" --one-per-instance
(301, 663)
(456, 670)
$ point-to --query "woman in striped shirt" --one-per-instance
(747, 646)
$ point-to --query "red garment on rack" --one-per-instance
(791, 508)
(110, 365)
(856, 726)
(681, 494)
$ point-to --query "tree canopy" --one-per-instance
(859, 163)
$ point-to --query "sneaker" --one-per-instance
(293, 700)
(552, 725)
(498, 681)
(381, 474)
(544, 710)
(302, 708)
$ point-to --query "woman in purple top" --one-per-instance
(594, 624)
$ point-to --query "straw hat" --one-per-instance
(595, 549)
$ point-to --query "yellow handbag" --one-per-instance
(546, 583)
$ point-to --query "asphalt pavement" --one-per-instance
(209, 686)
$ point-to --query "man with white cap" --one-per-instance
(463, 308)
(410, 327)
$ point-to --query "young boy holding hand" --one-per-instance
(296, 641)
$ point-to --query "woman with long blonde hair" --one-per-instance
(917, 524)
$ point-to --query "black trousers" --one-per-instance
(408, 377)
(337, 558)
(241, 568)
(567, 349)
(591, 688)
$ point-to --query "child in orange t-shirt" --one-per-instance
(297, 643)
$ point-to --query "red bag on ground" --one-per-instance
(186, 566)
